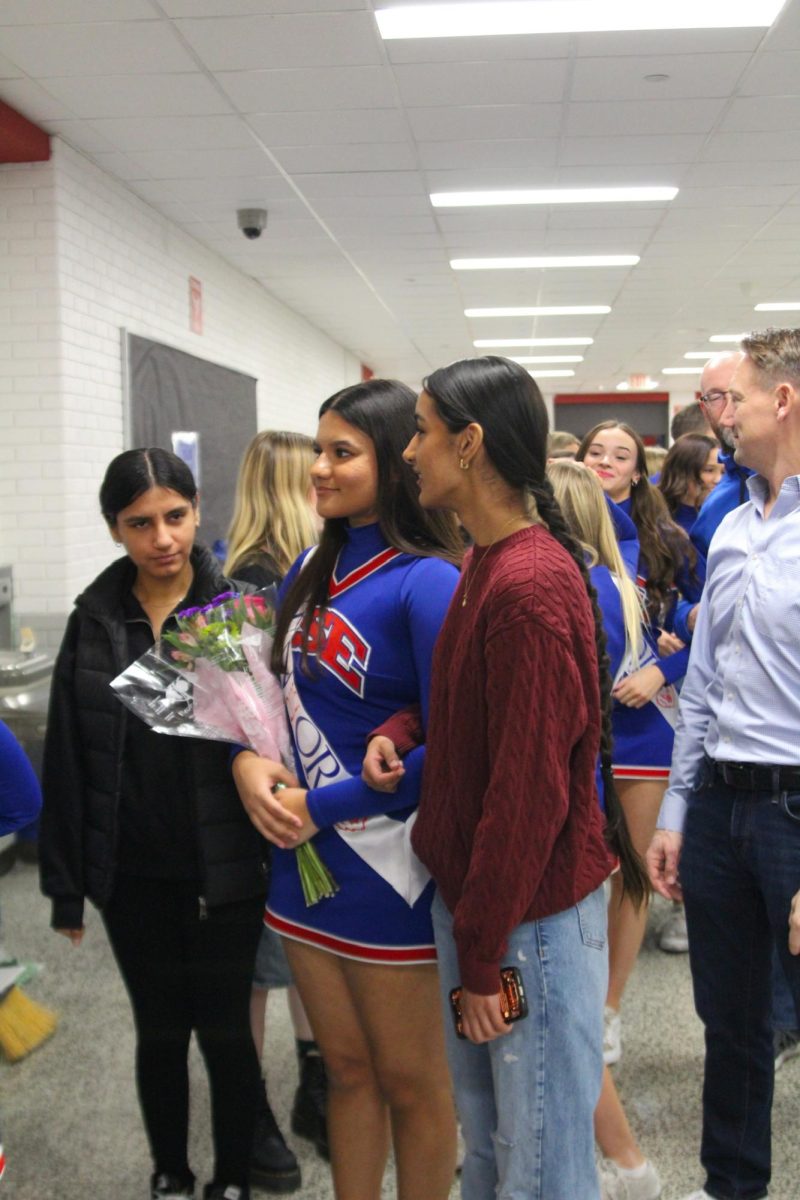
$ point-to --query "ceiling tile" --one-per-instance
(479, 49)
(485, 122)
(624, 78)
(289, 91)
(364, 184)
(529, 155)
(661, 151)
(235, 8)
(204, 164)
(604, 118)
(8, 70)
(137, 95)
(756, 147)
(302, 40)
(101, 48)
(426, 85)
(647, 43)
(33, 101)
(757, 113)
(773, 74)
(393, 156)
(47, 12)
(340, 127)
(174, 133)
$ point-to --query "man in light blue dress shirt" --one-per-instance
(729, 828)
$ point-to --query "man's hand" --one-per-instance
(794, 925)
(382, 768)
(663, 856)
(255, 779)
(74, 935)
(482, 1017)
(636, 689)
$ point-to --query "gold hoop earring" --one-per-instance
(463, 465)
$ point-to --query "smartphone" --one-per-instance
(513, 1001)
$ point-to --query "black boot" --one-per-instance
(273, 1166)
(310, 1104)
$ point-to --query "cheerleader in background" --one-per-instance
(274, 520)
(624, 1171)
(668, 566)
(690, 473)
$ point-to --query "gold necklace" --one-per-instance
(474, 570)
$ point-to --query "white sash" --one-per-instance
(382, 842)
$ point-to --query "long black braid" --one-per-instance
(634, 876)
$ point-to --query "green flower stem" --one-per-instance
(317, 881)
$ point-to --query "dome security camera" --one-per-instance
(252, 221)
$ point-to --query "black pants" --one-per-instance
(186, 972)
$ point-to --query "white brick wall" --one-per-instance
(83, 258)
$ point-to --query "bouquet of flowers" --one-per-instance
(209, 677)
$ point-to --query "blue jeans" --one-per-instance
(526, 1101)
(739, 868)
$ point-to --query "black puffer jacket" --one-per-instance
(83, 761)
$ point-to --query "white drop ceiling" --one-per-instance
(298, 106)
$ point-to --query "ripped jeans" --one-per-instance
(526, 1101)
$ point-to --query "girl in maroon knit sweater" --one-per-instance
(509, 823)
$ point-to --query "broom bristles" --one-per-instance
(24, 1024)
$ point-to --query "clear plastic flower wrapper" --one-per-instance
(209, 677)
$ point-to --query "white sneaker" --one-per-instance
(701, 1195)
(612, 1036)
(673, 936)
(618, 1184)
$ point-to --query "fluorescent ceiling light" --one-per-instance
(567, 341)
(572, 16)
(598, 195)
(727, 337)
(550, 374)
(575, 310)
(547, 358)
(624, 386)
(781, 306)
(544, 262)
(681, 370)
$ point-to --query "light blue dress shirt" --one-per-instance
(741, 698)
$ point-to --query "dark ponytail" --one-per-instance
(505, 401)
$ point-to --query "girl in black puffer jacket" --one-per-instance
(150, 828)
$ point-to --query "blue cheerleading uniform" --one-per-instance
(643, 737)
(688, 585)
(384, 612)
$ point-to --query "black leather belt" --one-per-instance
(758, 777)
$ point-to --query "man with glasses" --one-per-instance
(730, 821)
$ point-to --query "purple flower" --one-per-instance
(223, 596)
(188, 612)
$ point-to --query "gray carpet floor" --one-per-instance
(70, 1121)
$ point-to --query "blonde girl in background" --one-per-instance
(625, 1174)
(274, 520)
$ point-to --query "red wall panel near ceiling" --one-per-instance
(20, 140)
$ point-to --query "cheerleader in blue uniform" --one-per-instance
(359, 617)
(581, 500)
(646, 709)
(690, 473)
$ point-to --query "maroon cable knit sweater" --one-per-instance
(509, 823)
